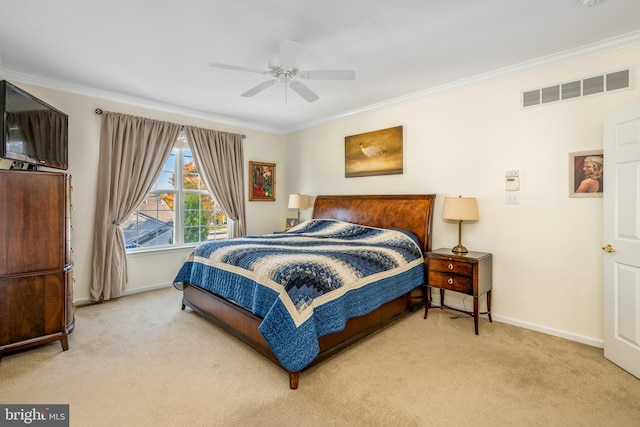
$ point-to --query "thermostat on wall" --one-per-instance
(512, 180)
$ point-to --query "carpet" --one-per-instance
(141, 361)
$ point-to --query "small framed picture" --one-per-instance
(262, 182)
(291, 222)
(586, 173)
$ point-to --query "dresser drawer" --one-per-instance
(452, 282)
(454, 267)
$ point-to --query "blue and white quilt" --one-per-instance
(307, 282)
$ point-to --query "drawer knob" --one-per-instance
(450, 281)
(450, 266)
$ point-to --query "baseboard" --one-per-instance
(147, 288)
(550, 331)
(87, 301)
(463, 302)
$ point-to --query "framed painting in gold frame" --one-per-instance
(378, 152)
(262, 182)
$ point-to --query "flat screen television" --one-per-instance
(33, 132)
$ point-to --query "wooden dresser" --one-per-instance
(36, 270)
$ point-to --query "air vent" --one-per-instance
(571, 90)
(531, 98)
(618, 80)
(593, 85)
(550, 94)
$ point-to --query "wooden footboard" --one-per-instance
(243, 324)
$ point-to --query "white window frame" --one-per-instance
(179, 192)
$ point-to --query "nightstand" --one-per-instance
(468, 274)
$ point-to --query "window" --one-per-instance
(178, 210)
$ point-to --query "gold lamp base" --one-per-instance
(459, 249)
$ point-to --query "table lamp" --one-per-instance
(460, 209)
(298, 201)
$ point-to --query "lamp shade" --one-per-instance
(460, 209)
(298, 201)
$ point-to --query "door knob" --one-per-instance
(608, 248)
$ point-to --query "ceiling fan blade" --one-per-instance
(288, 53)
(262, 86)
(328, 75)
(303, 91)
(238, 68)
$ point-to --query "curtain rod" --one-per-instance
(99, 111)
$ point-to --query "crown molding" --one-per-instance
(596, 48)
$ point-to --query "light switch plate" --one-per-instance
(512, 198)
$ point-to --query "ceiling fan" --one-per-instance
(286, 71)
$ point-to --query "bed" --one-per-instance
(395, 216)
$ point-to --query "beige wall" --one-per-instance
(547, 250)
(547, 257)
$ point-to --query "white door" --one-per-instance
(621, 246)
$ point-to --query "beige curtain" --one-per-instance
(132, 153)
(219, 158)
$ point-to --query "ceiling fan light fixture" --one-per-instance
(286, 70)
(281, 71)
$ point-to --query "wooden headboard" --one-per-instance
(411, 212)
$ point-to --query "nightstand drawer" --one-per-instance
(453, 267)
(451, 282)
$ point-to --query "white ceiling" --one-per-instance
(156, 52)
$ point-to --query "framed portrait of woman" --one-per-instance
(262, 182)
(586, 173)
